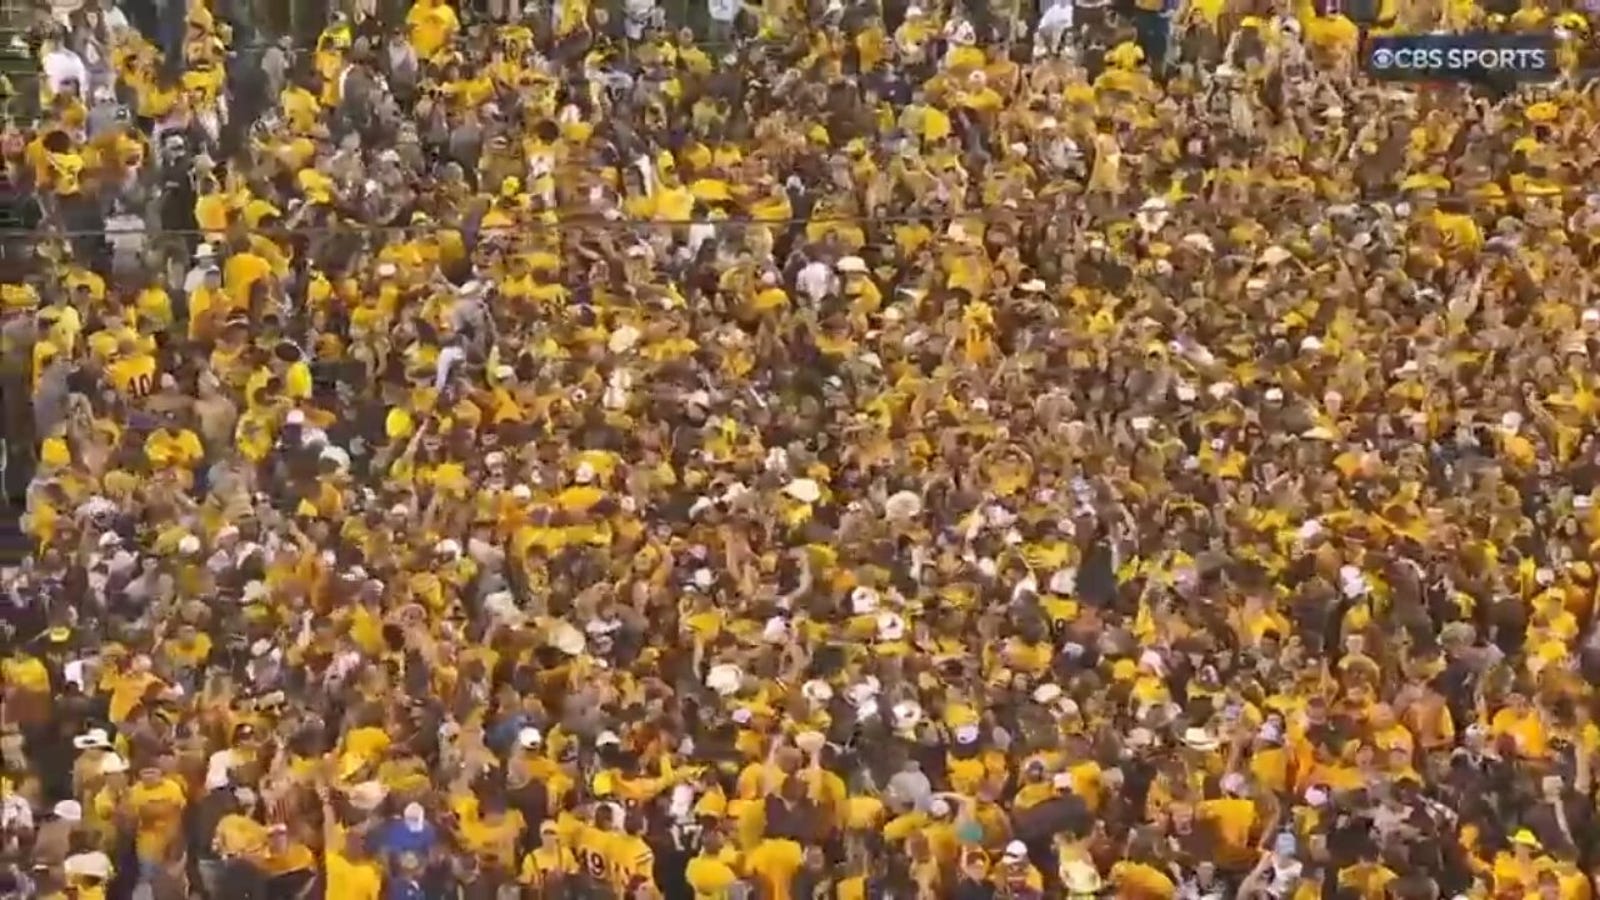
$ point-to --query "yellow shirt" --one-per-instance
(164, 448)
(774, 862)
(66, 171)
(201, 302)
(1235, 818)
(238, 835)
(592, 847)
(211, 213)
(134, 376)
(296, 857)
(632, 862)
(126, 693)
(432, 25)
(26, 673)
(1140, 880)
(367, 743)
(155, 308)
(241, 271)
(539, 865)
(1206, 12)
(158, 809)
(352, 881)
(1371, 881)
(493, 840)
(709, 877)
(300, 107)
(1525, 729)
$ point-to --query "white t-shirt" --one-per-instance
(61, 65)
(638, 15)
(1284, 877)
(448, 357)
(816, 280)
(1054, 24)
(126, 234)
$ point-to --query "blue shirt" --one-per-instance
(403, 889)
(396, 838)
(502, 736)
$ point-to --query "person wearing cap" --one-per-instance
(133, 371)
(156, 801)
(549, 866)
(52, 840)
(27, 689)
(875, 416)
(612, 852)
(1519, 722)
(1015, 874)
(1367, 875)
(405, 879)
(208, 305)
(491, 831)
(1519, 866)
(1140, 873)
(1234, 817)
(411, 833)
(776, 859)
(715, 866)
(349, 871)
(241, 844)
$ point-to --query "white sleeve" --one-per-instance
(54, 72)
(16, 813)
(447, 361)
(647, 172)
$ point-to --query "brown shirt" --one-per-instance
(53, 843)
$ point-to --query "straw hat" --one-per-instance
(368, 795)
(567, 639)
(725, 679)
(803, 489)
(1080, 877)
(623, 339)
(1200, 739)
(902, 506)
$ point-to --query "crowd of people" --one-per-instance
(840, 451)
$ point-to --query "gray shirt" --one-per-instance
(50, 399)
(358, 102)
(275, 64)
(19, 336)
(105, 116)
(911, 787)
(126, 235)
(466, 142)
(402, 64)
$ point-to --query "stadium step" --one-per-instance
(17, 62)
(14, 15)
(10, 220)
(14, 544)
(17, 464)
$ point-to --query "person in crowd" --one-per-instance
(919, 450)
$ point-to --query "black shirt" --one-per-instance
(203, 820)
(1540, 818)
(967, 889)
